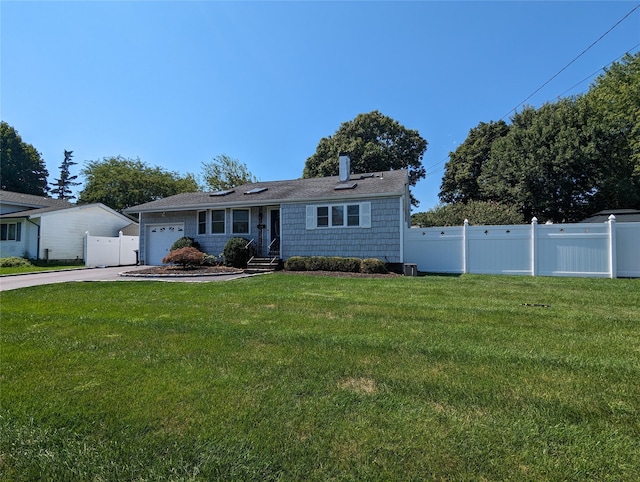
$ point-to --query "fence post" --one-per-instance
(534, 246)
(613, 260)
(465, 247)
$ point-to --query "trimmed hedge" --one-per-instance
(334, 263)
(373, 266)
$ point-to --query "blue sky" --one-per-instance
(178, 83)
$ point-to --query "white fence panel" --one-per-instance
(437, 250)
(595, 250)
(129, 250)
(499, 249)
(573, 250)
(628, 250)
(110, 251)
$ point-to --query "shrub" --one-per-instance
(346, 265)
(186, 257)
(373, 265)
(212, 260)
(296, 263)
(317, 263)
(235, 254)
(14, 262)
(185, 242)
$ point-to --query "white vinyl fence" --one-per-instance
(589, 250)
(110, 251)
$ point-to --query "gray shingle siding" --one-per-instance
(381, 240)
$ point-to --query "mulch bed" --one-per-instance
(177, 270)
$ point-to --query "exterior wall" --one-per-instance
(26, 247)
(383, 240)
(62, 233)
(212, 244)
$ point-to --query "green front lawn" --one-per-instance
(298, 377)
(37, 266)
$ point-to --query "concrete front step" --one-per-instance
(263, 265)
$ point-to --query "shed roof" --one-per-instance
(319, 189)
(622, 216)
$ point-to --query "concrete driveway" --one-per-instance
(95, 274)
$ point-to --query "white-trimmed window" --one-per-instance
(202, 222)
(10, 231)
(353, 215)
(240, 221)
(217, 221)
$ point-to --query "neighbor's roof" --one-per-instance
(622, 216)
(30, 201)
(318, 189)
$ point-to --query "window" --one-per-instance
(10, 232)
(323, 216)
(339, 215)
(217, 221)
(353, 215)
(240, 221)
(202, 222)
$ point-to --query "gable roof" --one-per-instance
(30, 201)
(317, 189)
(70, 208)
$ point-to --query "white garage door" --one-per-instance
(159, 238)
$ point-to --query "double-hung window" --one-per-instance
(202, 222)
(240, 221)
(217, 221)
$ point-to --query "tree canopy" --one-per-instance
(23, 169)
(374, 142)
(121, 183)
(561, 162)
(225, 172)
(476, 212)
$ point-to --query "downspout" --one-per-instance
(37, 239)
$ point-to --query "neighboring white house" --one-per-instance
(51, 229)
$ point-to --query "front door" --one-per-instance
(274, 232)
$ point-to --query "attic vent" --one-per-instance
(221, 193)
(342, 187)
(257, 190)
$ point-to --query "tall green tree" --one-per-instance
(374, 142)
(614, 101)
(120, 183)
(461, 172)
(66, 181)
(225, 172)
(547, 164)
(22, 167)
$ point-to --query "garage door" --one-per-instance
(159, 238)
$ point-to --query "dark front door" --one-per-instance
(274, 230)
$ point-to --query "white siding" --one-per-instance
(63, 232)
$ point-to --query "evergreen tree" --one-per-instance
(62, 189)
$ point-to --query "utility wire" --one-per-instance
(567, 66)
(430, 169)
(597, 71)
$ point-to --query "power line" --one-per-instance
(597, 71)
(567, 66)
